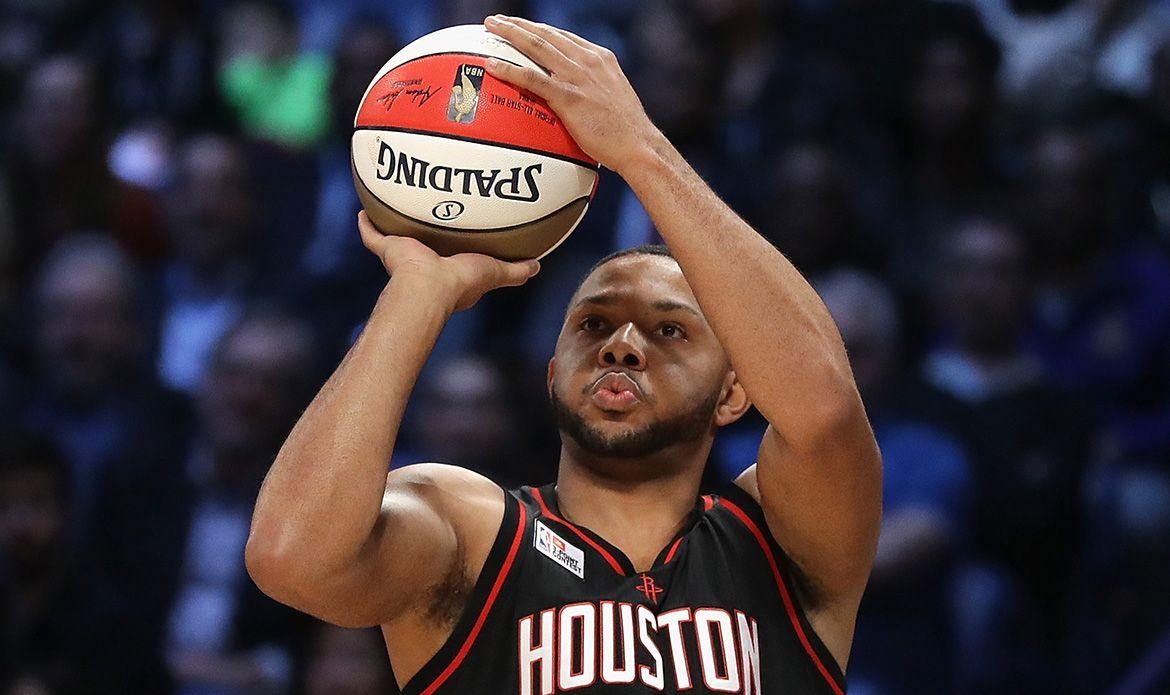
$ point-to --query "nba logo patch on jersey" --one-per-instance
(559, 550)
(465, 94)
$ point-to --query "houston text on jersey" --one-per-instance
(577, 645)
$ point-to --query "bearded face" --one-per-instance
(637, 368)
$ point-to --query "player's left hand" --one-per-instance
(584, 85)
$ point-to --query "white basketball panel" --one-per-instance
(463, 185)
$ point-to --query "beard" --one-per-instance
(689, 426)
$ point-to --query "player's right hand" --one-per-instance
(460, 279)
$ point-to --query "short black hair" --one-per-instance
(640, 250)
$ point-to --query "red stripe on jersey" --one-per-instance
(617, 567)
(708, 502)
(487, 607)
(788, 605)
(670, 555)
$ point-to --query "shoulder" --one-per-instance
(441, 476)
(472, 503)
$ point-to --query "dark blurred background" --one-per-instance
(980, 191)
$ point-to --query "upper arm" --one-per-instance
(435, 521)
(823, 505)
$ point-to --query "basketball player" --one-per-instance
(618, 578)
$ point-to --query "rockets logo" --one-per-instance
(649, 589)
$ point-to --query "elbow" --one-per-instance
(279, 569)
(280, 576)
(267, 566)
(838, 417)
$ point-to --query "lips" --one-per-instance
(616, 392)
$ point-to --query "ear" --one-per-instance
(552, 367)
(733, 403)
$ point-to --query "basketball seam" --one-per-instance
(471, 231)
(450, 53)
(480, 141)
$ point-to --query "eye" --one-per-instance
(672, 330)
(592, 323)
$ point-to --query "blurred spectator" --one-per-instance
(55, 629)
(1055, 64)
(1156, 141)
(9, 261)
(348, 662)
(1028, 441)
(34, 563)
(212, 222)
(158, 59)
(473, 11)
(750, 42)
(1131, 592)
(337, 267)
(180, 517)
(949, 139)
(906, 639)
(91, 390)
(1102, 323)
(676, 74)
(464, 415)
(812, 214)
(278, 92)
(55, 168)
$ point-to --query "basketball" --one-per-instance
(444, 152)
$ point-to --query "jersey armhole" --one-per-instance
(748, 513)
(496, 569)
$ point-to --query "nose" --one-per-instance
(623, 347)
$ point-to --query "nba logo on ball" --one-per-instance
(465, 94)
(446, 153)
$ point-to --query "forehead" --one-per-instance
(638, 277)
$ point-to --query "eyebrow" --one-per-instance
(606, 299)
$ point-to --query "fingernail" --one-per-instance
(533, 268)
(494, 19)
(491, 64)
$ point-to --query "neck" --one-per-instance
(637, 514)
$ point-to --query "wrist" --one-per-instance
(422, 288)
(646, 158)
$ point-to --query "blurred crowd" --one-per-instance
(979, 189)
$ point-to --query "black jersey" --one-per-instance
(558, 609)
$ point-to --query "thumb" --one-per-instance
(517, 273)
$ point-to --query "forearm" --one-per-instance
(323, 494)
(780, 338)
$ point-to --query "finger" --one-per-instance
(566, 42)
(579, 41)
(537, 46)
(492, 272)
(525, 78)
(516, 274)
(385, 245)
(372, 238)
